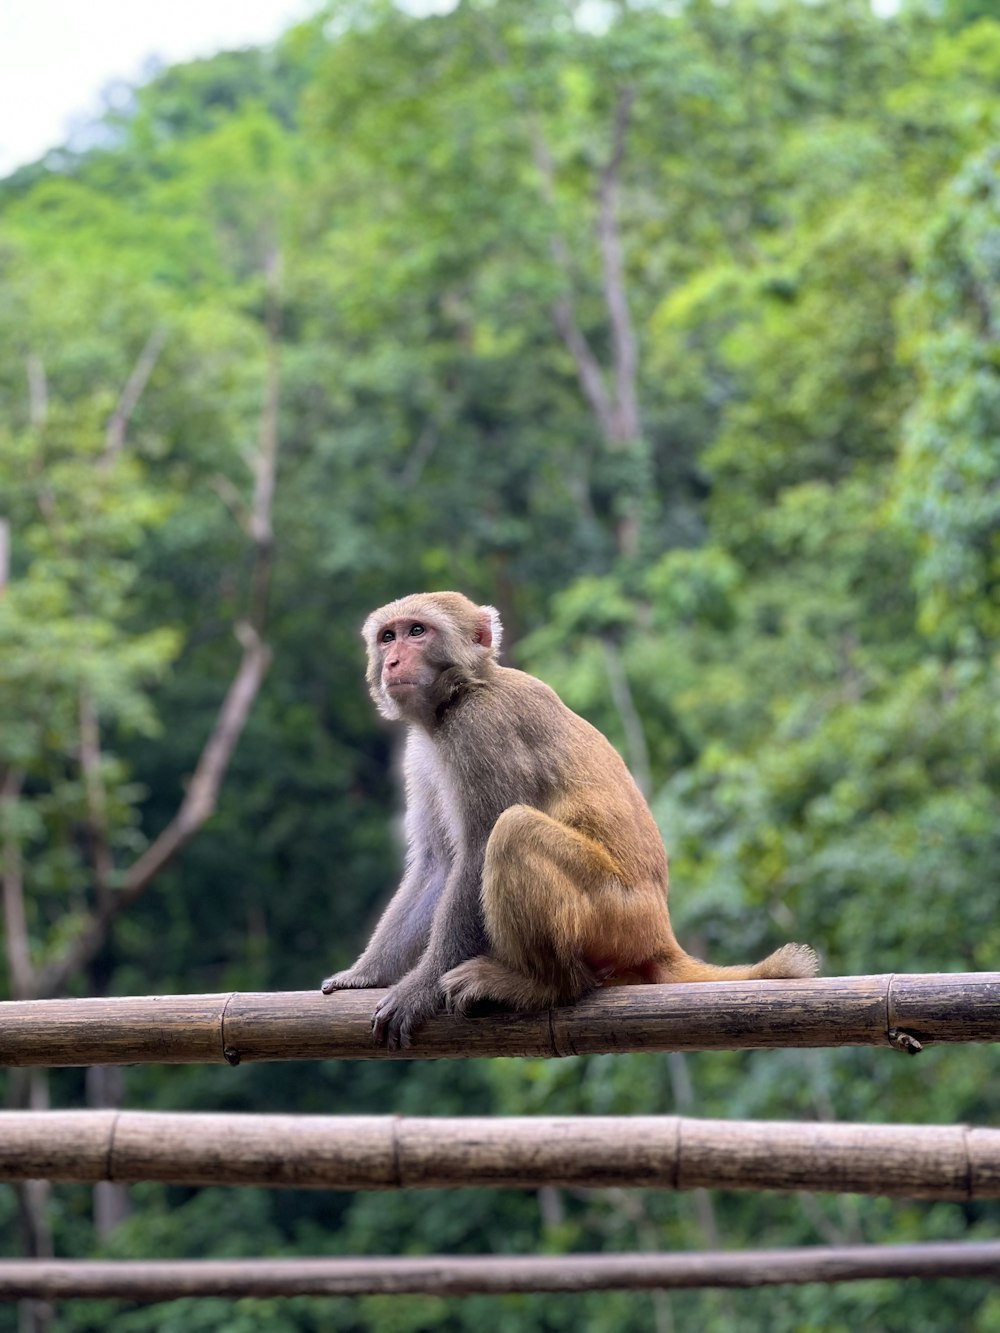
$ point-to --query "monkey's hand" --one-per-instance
(358, 977)
(404, 1009)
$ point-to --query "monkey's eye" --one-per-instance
(387, 636)
(416, 631)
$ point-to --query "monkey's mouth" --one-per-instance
(402, 683)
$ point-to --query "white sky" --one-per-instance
(57, 55)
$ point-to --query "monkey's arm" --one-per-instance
(457, 933)
(403, 929)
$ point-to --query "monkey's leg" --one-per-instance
(557, 917)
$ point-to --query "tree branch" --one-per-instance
(38, 391)
(232, 499)
(97, 802)
(617, 410)
(588, 367)
(635, 735)
(114, 440)
(15, 922)
(266, 462)
(4, 555)
(412, 470)
(623, 341)
(202, 793)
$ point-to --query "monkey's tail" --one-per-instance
(791, 960)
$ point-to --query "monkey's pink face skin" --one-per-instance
(402, 645)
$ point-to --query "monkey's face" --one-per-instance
(423, 648)
(405, 651)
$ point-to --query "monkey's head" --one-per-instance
(424, 648)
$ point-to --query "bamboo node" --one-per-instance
(904, 1041)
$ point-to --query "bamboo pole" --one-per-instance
(902, 1010)
(398, 1152)
(446, 1275)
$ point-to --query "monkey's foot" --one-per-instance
(485, 978)
(467, 983)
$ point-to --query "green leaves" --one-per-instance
(777, 594)
(946, 491)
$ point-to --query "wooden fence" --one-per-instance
(448, 1275)
(898, 1010)
(399, 1152)
(902, 1012)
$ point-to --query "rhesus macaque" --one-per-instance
(534, 870)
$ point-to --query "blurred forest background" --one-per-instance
(673, 329)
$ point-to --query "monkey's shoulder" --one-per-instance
(515, 709)
(514, 684)
(524, 690)
(519, 704)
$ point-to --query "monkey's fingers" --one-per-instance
(393, 1031)
(389, 1027)
(401, 1012)
(348, 980)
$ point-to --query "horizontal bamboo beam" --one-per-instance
(447, 1275)
(902, 1010)
(398, 1152)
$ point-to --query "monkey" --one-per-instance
(534, 869)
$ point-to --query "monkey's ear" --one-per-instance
(489, 630)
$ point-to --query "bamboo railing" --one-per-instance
(904, 1012)
(447, 1275)
(400, 1152)
(900, 1010)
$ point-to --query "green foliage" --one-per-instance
(948, 466)
(801, 649)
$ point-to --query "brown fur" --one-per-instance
(535, 869)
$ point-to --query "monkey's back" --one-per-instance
(521, 745)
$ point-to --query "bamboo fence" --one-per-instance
(903, 1011)
(446, 1275)
(398, 1152)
